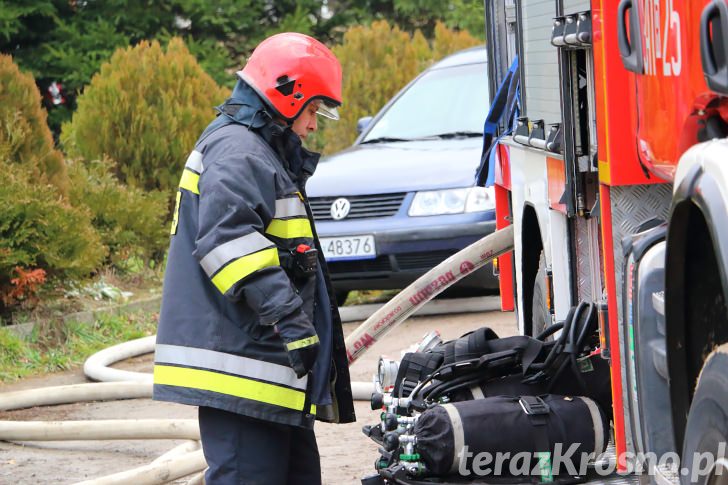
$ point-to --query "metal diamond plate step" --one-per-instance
(609, 463)
(667, 475)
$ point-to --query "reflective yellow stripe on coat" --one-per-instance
(304, 342)
(290, 228)
(191, 173)
(231, 385)
(290, 220)
(230, 374)
(242, 267)
(232, 261)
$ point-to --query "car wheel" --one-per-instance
(707, 426)
(539, 309)
(341, 297)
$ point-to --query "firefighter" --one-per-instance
(249, 330)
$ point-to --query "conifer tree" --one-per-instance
(144, 110)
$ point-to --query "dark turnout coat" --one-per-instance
(241, 209)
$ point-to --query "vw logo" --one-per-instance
(340, 208)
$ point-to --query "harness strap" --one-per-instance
(505, 101)
(538, 413)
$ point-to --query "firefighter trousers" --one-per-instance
(245, 451)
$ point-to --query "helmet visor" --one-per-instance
(328, 110)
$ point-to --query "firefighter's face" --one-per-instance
(306, 122)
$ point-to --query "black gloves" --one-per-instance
(300, 340)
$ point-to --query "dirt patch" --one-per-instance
(346, 454)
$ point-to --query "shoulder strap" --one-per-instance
(505, 102)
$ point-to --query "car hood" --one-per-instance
(397, 167)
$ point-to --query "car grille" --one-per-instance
(405, 262)
(362, 206)
(380, 264)
(422, 260)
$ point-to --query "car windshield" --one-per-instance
(444, 103)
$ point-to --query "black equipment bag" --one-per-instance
(417, 366)
(480, 364)
(594, 370)
(507, 424)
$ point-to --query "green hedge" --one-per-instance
(39, 229)
(62, 223)
(144, 110)
(130, 221)
(25, 138)
(42, 236)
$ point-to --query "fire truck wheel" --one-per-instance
(704, 456)
(539, 309)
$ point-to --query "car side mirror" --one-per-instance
(363, 123)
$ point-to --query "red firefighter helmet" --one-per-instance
(289, 70)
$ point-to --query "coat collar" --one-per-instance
(245, 106)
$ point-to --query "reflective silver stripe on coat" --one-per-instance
(458, 435)
(221, 255)
(230, 364)
(194, 161)
(289, 207)
(596, 416)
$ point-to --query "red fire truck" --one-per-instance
(615, 178)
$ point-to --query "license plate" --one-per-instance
(348, 247)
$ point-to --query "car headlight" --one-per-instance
(480, 199)
(452, 201)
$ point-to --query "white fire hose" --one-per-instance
(48, 396)
(425, 288)
(97, 367)
(187, 459)
(101, 429)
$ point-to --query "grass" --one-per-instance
(362, 297)
(56, 346)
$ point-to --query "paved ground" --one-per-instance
(346, 454)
